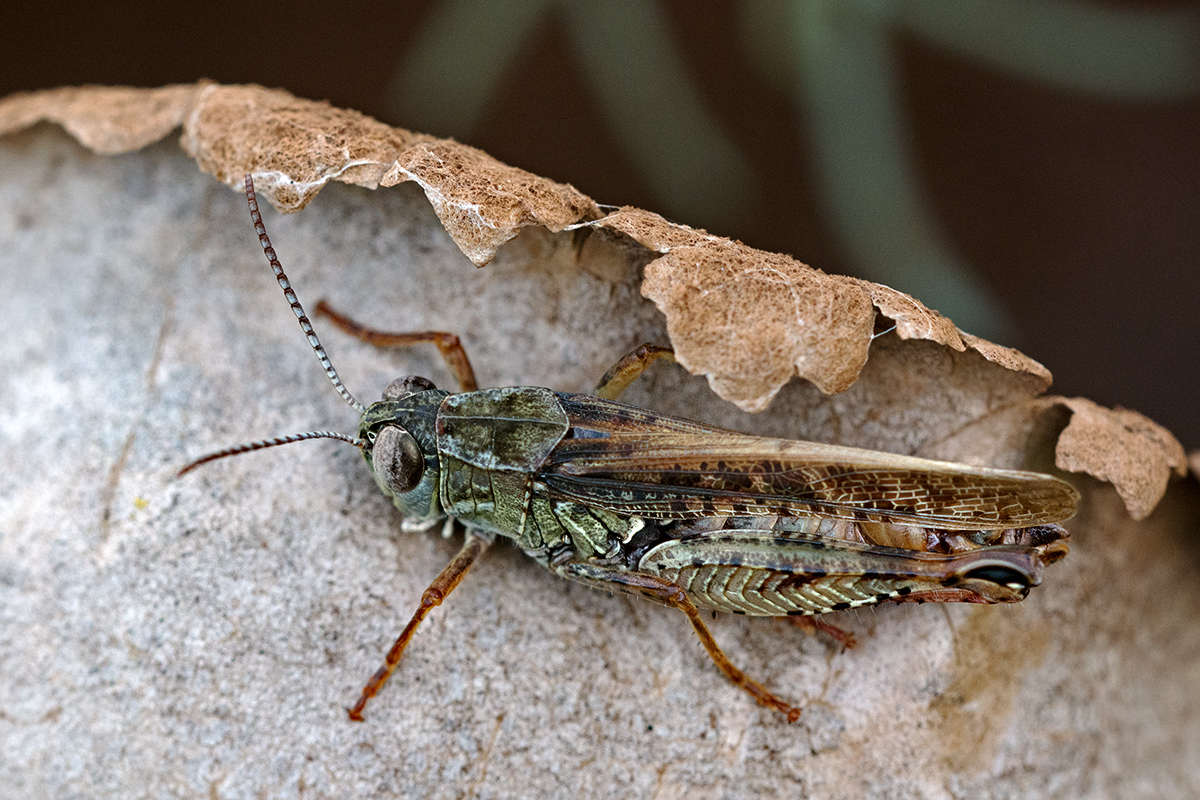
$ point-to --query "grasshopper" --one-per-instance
(623, 499)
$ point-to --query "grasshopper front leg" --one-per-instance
(448, 344)
(660, 590)
(473, 546)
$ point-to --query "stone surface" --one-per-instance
(202, 636)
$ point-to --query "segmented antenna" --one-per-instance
(264, 443)
(297, 309)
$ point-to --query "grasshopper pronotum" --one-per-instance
(692, 516)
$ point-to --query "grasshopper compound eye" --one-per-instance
(397, 459)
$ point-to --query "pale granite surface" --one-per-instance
(201, 637)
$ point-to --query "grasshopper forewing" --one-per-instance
(692, 516)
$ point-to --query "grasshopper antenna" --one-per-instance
(290, 296)
(313, 341)
(250, 447)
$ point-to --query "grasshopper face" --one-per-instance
(401, 446)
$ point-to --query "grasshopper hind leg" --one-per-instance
(812, 625)
(667, 593)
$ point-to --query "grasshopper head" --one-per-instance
(396, 434)
(401, 446)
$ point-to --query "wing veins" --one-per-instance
(777, 475)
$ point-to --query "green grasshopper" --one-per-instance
(623, 499)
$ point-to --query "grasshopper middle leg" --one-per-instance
(627, 370)
(667, 593)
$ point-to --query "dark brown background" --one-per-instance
(1081, 213)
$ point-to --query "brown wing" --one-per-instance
(632, 461)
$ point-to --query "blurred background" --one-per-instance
(1030, 169)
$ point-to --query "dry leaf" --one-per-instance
(745, 319)
(106, 119)
(1122, 447)
(813, 325)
